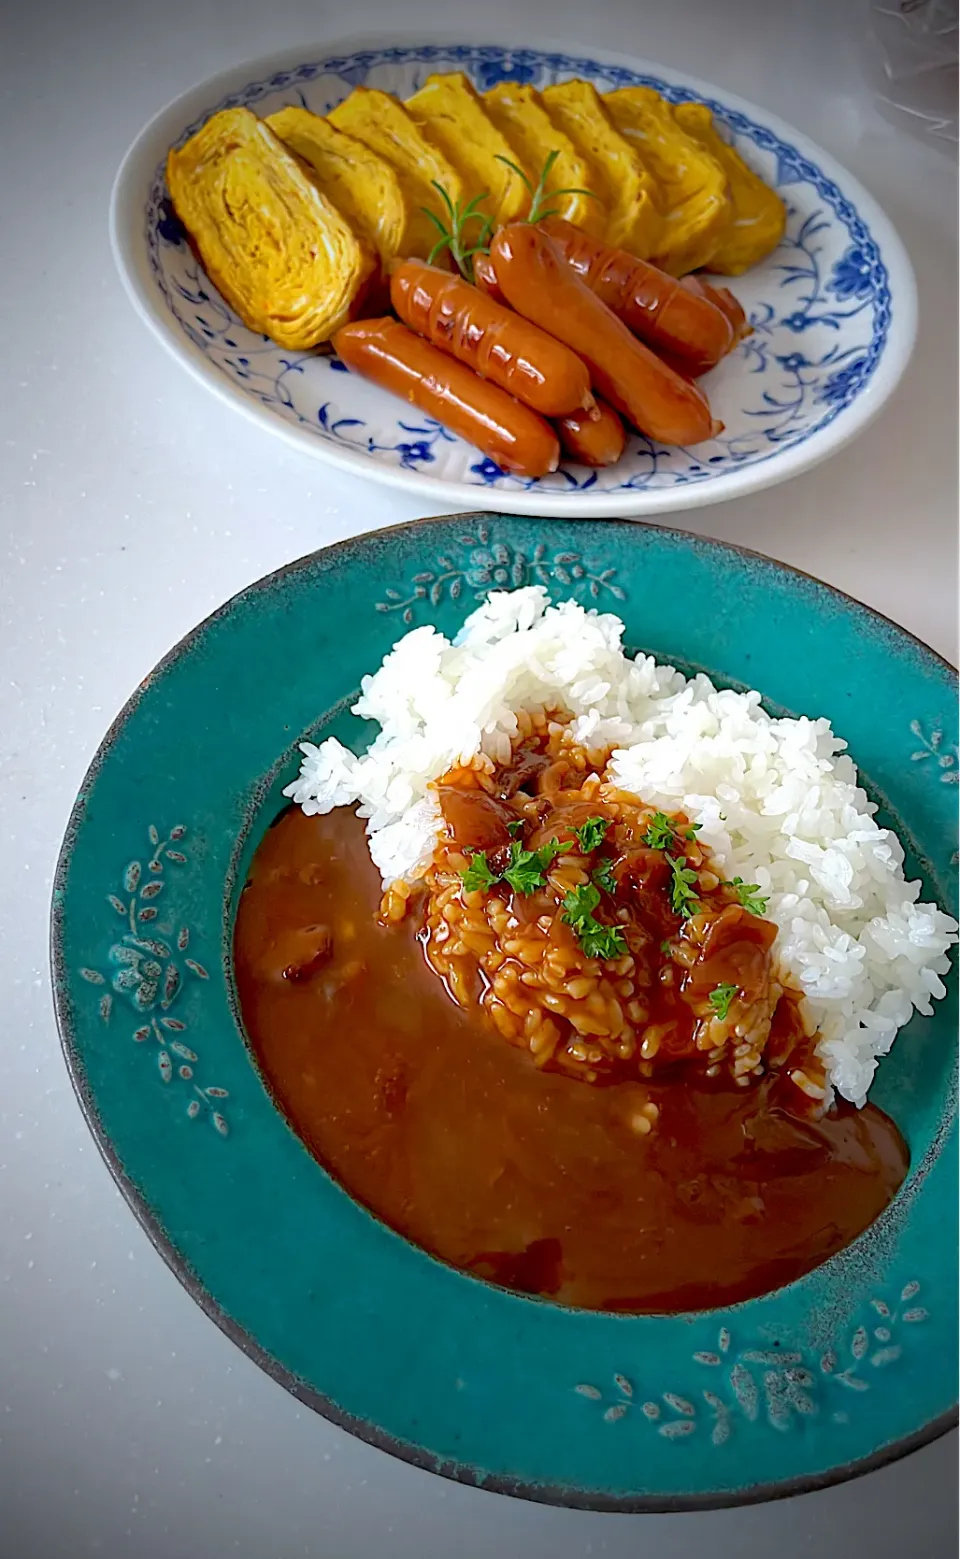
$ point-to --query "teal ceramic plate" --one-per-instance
(832, 1375)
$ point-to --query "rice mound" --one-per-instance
(777, 799)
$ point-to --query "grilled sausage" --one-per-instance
(515, 437)
(491, 339)
(486, 277)
(596, 441)
(723, 299)
(683, 322)
(538, 283)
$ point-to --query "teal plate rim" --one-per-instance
(761, 1388)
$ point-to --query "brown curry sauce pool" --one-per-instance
(527, 1177)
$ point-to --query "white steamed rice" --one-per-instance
(777, 799)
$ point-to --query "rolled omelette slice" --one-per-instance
(616, 171)
(360, 183)
(451, 115)
(518, 112)
(383, 125)
(759, 215)
(278, 250)
(693, 186)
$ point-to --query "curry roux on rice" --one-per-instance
(654, 1135)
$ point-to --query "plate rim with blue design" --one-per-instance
(403, 449)
(820, 1381)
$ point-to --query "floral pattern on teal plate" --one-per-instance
(148, 971)
(490, 563)
(836, 1373)
(786, 1386)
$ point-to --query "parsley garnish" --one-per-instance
(747, 893)
(661, 833)
(596, 939)
(528, 868)
(591, 833)
(549, 852)
(579, 905)
(600, 941)
(720, 998)
(515, 828)
(603, 875)
(477, 877)
(524, 873)
(666, 949)
(683, 900)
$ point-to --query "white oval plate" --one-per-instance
(833, 308)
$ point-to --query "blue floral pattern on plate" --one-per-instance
(820, 306)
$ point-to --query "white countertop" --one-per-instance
(133, 503)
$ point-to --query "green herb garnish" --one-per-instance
(747, 893)
(538, 195)
(591, 833)
(666, 949)
(720, 998)
(579, 905)
(525, 873)
(599, 941)
(477, 877)
(692, 832)
(661, 834)
(515, 828)
(683, 900)
(528, 868)
(454, 237)
(596, 939)
(603, 875)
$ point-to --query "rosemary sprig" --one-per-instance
(454, 237)
(453, 234)
(538, 195)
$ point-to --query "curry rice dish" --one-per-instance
(560, 1040)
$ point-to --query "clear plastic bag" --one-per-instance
(912, 65)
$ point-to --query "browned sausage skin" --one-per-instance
(593, 441)
(537, 282)
(723, 299)
(683, 322)
(486, 277)
(516, 438)
(491, 339)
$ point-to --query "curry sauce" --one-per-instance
(523, 1174)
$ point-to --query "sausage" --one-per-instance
(486, 277)
(491, 339)
(593, 441)
(515, 437)
(682, 322)
(537, 282)
(723, 299)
